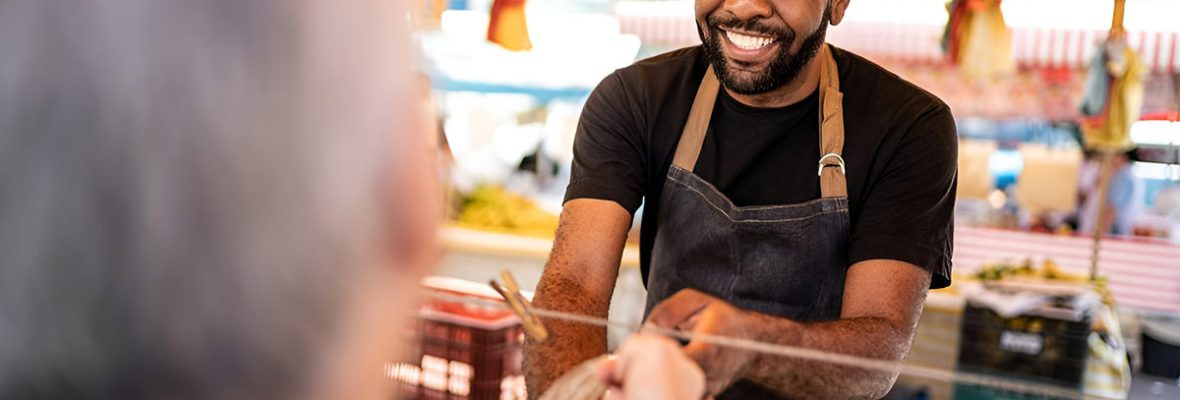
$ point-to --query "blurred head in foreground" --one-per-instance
(207, 199)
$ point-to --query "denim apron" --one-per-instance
(783, 260)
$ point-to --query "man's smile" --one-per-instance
(747, 48)
(747, 41)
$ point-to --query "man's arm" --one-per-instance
(579, 278)
(882, 302)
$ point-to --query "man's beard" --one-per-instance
(784, 67)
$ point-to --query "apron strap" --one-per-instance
(693, 136)
(832, 182)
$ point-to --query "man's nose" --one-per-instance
(747, 10)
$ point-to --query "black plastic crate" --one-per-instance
(1029, 347)
(965, 391)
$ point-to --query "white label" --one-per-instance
(1020, 342)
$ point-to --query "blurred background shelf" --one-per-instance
(497, 244)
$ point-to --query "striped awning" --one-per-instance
(1034, 48)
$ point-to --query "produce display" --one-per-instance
(1049, 270)
(494, 209)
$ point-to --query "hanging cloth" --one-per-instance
(954, 28)
(978, 40)
(1111, 131)
(1097, 85)
(507, 26)
(1108, 373)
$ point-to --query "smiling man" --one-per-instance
(795, 193)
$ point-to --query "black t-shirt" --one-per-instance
(900, 151)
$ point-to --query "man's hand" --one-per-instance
(696, 312)
(882, 302)
(650, 366)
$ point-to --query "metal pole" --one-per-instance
(1116, 23)
(1106, 163)
(1106, 158)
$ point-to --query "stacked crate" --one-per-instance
(1045, 346)
(462, 350)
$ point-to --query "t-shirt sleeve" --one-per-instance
(608, 148)
(909, 210)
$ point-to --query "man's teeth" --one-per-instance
(747, 42)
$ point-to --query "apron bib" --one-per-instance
(783, 260)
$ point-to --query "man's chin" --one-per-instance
(744, 81)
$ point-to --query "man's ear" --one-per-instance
(838, 7)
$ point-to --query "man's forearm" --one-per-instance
(569, 343)
(579, 278)
(868, 337)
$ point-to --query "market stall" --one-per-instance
(588, 199)
(510, 118)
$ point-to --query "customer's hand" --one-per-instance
(696, 312)
(652, 367)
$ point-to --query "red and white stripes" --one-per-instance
(1032, 47)
(1142, 274)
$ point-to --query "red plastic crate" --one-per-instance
(462, 350)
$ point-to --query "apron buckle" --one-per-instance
(823, 162)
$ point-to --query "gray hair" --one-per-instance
(187, 188)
